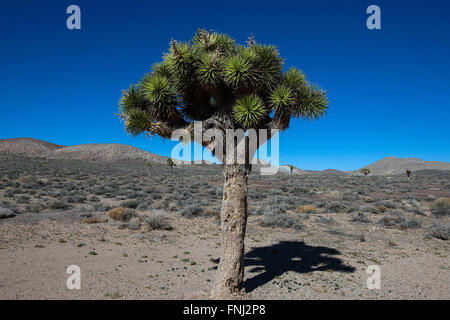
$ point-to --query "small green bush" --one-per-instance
(441, 207)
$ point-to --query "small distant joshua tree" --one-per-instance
(171, 163)
(365, 171)
(408, 174)
(225, 86)
(291, 167)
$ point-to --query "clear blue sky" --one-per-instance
(389, 89)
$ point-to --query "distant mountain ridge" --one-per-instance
(27, 147)
(35, 148)
(395, 166)
(94, 152)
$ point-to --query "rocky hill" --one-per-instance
(109, 152)
(34, 148)
(394, 166)
(27, 147)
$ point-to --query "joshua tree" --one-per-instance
(408, 173)
(291, 167)
(171, 163)
(365, 171)
(224, 85)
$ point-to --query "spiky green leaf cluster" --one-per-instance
(249, 110)
(212, 75)
(240, 73)
(161, 96)
(210, 69)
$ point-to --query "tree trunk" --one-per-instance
(230, 273)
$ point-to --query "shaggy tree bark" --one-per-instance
(230, 273)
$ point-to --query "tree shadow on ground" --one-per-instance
(287, 256)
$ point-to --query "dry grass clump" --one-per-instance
(439, 230)
(94, 220)
(117, 214)
(159, 221)
(158, 205)
(307, 209)
(209, 211)
(6, 213)
(441, 207)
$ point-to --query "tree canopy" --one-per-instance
(226, 85)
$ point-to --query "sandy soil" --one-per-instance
(291, 253)
(313, 263)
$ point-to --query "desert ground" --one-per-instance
(144, 231)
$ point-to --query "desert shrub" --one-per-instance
(6, 213)
(398, 219)
(100, 207)
(191, 211)
(256, 211)
(300, 190)
(9, 193)
(119, 214)
(359, 191)
(350, 197)
(277, 218)
(219, 191)
(173, 206)
(158, 205)
(159, 220)
(349, 208)
(148, 190)
(76, 199)
(324, 220)
(387, 221)
(35, 206)
(360, 217)
(144, 206)
(414, 206)
(369, 208)
(132, 194)
(275, 192)
(275, 200)
(93, 199)
(209, 211)
(90, 220)
(23, 199)
(387, 203)
(307, 209)
(439, 230)
(134, 224)
(180, 195)
(441, 207)
(132, 204)
(255, 195)
(58, 205)
(336, 207)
